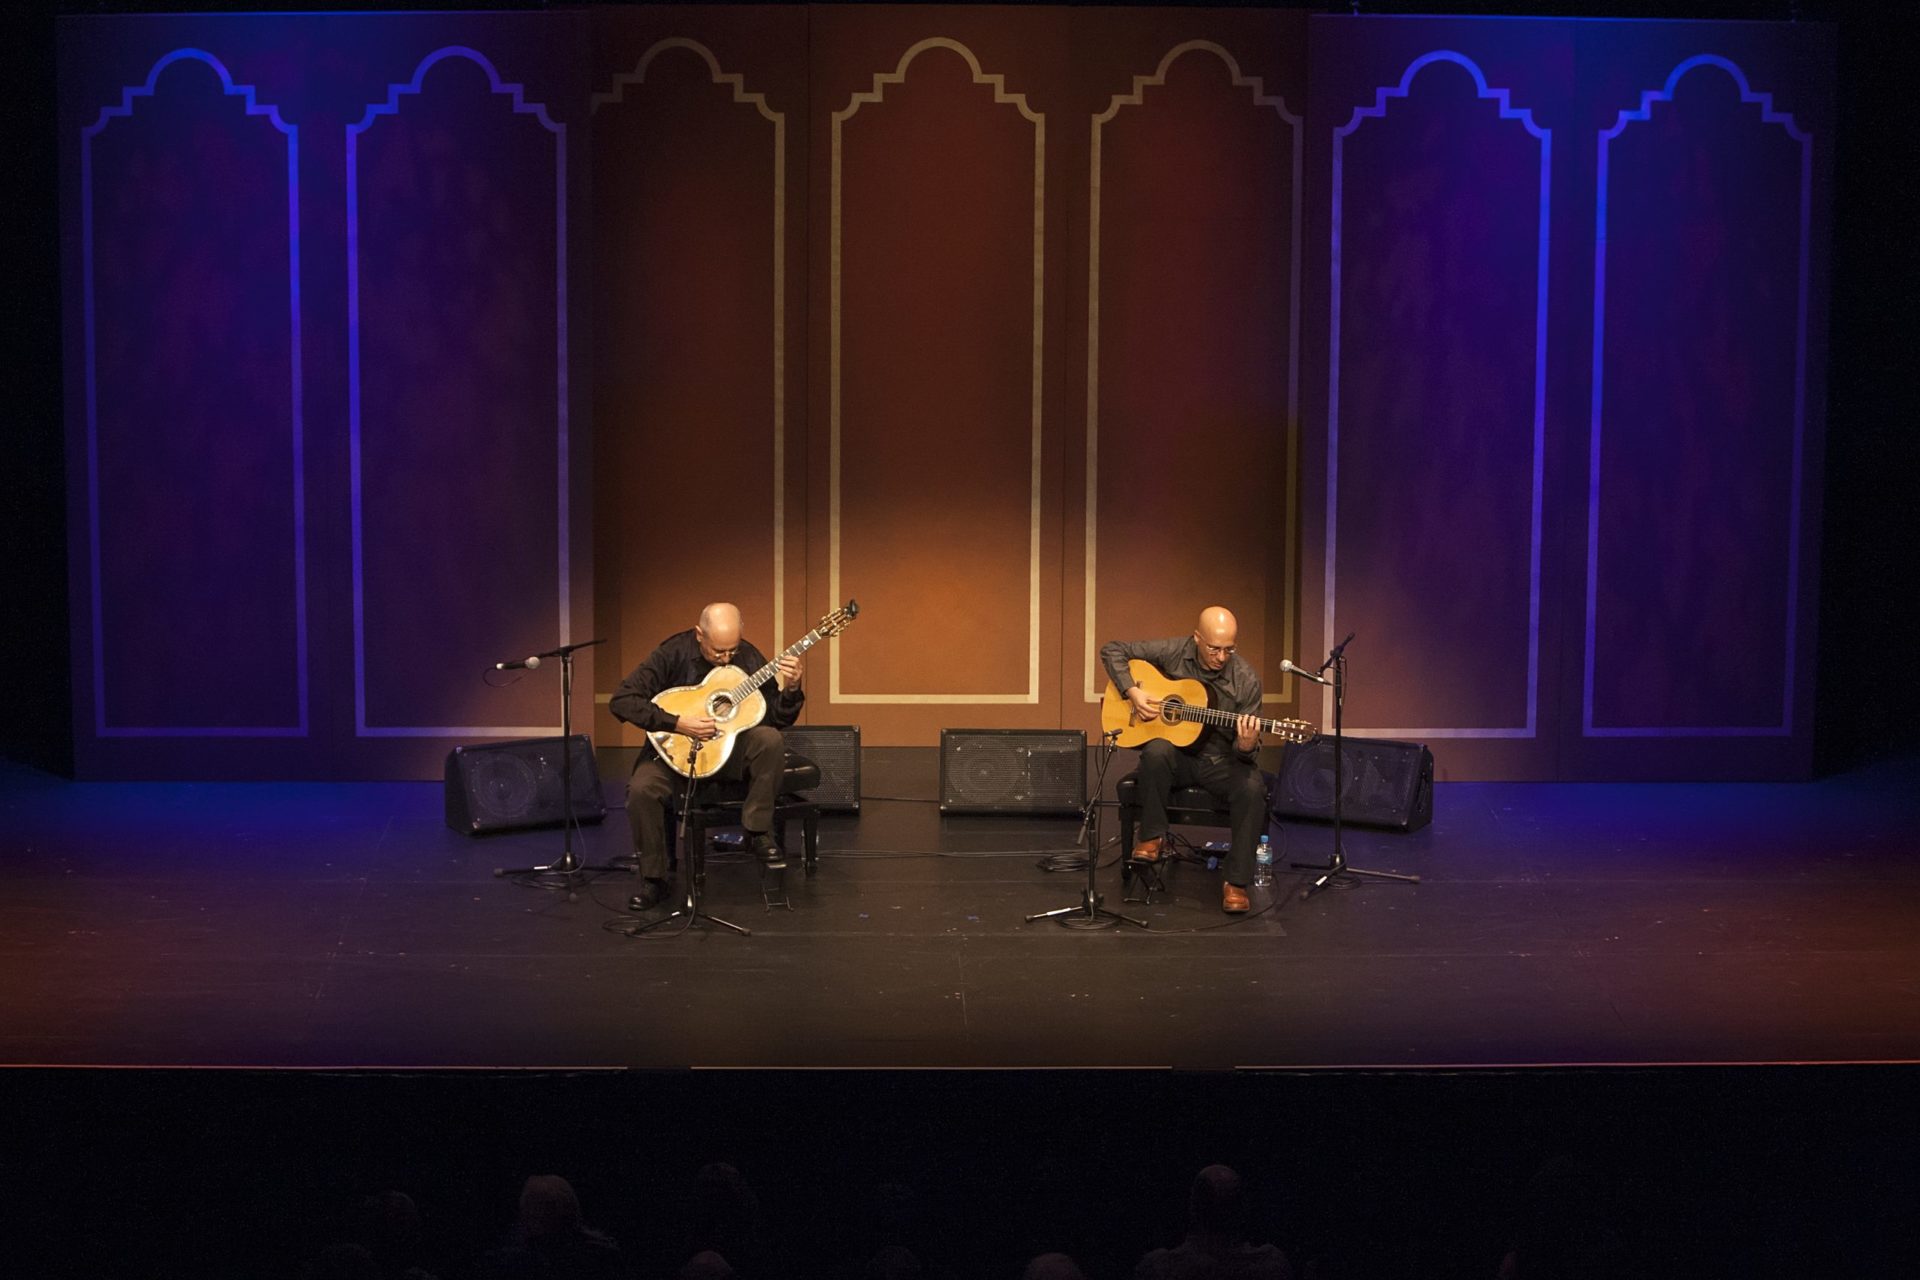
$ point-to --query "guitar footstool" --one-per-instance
(773, 888)
(1140, 881)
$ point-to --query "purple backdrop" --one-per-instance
(195, 514)
(324, 455)
(1436, 423)
(1573, 275)
(456, 197)
(1698, 418)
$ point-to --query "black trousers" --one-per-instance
(1236, 783)
(759, 756)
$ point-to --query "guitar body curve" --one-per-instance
(706, 698)
(1117, 714)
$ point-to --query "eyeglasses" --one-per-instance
(1222, 649)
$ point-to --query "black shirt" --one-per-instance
(676, 662)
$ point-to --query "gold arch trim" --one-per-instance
(615, 95)
(1003, 97)
(1261, 98)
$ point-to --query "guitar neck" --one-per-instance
(1224, 719)
(766, 673)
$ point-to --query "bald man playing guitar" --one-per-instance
(1219, 760)
(758, 754)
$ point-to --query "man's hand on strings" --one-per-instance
(1145, 705)
(700, 728)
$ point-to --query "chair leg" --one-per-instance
(1127, 819)
(810, 837)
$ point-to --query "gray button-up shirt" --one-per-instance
(1235, 687)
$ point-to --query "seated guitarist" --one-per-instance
(758, 756)
(1222, 763)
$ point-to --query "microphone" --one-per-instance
(528, 663)
(1286, 665)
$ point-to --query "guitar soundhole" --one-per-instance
(1170, 710)
(720, 707)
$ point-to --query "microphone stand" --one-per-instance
(1090, 913)
(567, 866)
(690, 908)
(1335, 870)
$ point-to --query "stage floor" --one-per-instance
(343, 925)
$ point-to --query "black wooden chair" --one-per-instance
(718, 804)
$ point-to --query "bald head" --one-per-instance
(1216, 636)
(718, 632)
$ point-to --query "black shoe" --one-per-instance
(652, 893)
(764, 848)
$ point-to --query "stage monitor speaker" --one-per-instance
(836, 749)
(1382, 783)
(508, 786)
(1013, 770)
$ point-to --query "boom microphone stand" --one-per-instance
(1090, 914)
(1336, 870)
(566, 866)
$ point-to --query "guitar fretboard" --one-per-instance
(752, 683)
(1222, 719)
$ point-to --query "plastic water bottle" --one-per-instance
(1263, 864)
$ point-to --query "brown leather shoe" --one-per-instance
(1233, 899)
(1147, 850)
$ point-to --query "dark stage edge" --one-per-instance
(343, 926)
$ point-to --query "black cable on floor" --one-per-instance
(1077, 860)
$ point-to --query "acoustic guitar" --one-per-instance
(734, 701)
(1184, 712)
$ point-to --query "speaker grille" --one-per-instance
(836, 749)
(1382, 783)
(1012, 770)
(506, 786)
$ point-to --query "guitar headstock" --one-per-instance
(1294, 730)
(837, 621)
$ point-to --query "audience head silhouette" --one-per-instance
(1217, 1204)
(1053, 1266)
(705, 1265)
(548, 1207)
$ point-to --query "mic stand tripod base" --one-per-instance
(567, 871)
(1336, 870)
(1090, 914)
(1339, 873)
(567, 866)
(693, 913)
